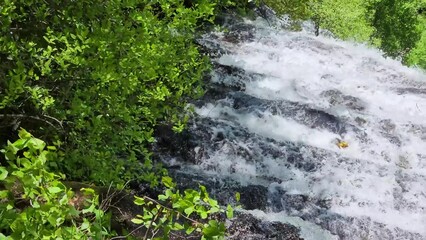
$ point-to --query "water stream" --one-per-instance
(281, 102)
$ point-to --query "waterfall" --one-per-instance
(278, 105)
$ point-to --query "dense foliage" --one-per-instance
(35, 204)
(93, 79)
(100, 75)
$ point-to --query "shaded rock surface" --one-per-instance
(247, 227)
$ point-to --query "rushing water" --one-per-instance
(282, 101)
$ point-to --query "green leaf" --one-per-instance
(169, 193)
(237, 196)
(20, 143)
(64, 200)
(36, 144)
(214, 210)
(59, 221)
(85, 225)
(203, 215)
(229, 212)
(189, 230)
(177, 226)
(168, 182)
(88, 191)
(35, 204)
(54, 190)
(189, 210)
(212, 229)
(139, 201)
(52, 220)
(4, 194)
(52, 148)
(213, 202)
(23, 134)
(3, 173)
(162, 197)
(137, 221)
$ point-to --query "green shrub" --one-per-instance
(396, 25)
(345, 19)
(192, 212)
(95, 78)
(99, 76)
(35, 204)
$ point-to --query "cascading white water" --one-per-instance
(308, 92)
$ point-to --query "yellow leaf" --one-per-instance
(342, 144)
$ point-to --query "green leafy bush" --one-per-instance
(35, 204)
(94, 78)
(346, 19)
(99, 76)
(192, 212)
(396, 25)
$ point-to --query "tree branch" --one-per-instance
(44, 118)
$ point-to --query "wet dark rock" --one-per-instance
(216, 92)
(360, 121)
(387, 129)
(228, 18)
(201, 140)
(416, 91)
(235, 76)
(307, 206)
(314, 118)
(171, 144)
(319, 46)
(251, 196)
(239, 32)
(362, 228)
(314, 210)
(247, 227)
(418, 130)
(297, 160)
(211, 48)
(249, 202)
(336, 97)
(265, 12)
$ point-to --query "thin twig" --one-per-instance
(150, 223)
(117, 208)
(155, 233)
(35, 118)
(134, 230)
(54, 119)
(118, 200)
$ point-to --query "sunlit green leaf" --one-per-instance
(229, 212)
(137, 221)
(3, 173)
(54, 190)
(139, 201)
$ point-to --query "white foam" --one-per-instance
(374, 177)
